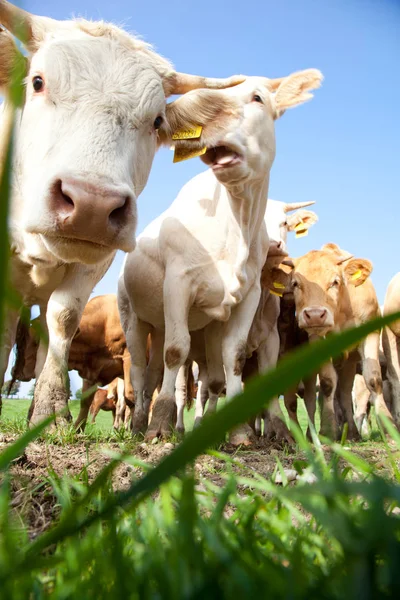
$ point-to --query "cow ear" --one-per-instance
(295, 89)
(308, 218)
(275, 279)
(197, 120)
(357, 270)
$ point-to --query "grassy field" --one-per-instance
(15, 410)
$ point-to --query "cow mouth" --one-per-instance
(222, 157)
(318, 330)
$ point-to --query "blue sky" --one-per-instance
(342, 149)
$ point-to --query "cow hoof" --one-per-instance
(139, 423)
(162, 419)
(197, 422)
(39, 416)
(180, 431)
(329, 433)
(242, 436)
(65, 418)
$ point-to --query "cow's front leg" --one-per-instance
(176, 350)
(267, 355)
(234, 342)
(328, 383)
(345, 383)
(371, 369)
(136, 332)
(310, 400)
(391, 348)
(64, 312)
(88, 392)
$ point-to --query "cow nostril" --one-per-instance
(323, 315)
(63, 202)
(117, 217)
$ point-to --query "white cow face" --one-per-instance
(88, 132)
(246, 150)
(88, 135)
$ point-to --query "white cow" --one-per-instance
(391, 345)
(198, 265)
(93, 115)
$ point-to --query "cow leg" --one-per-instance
(202, 393)
(391, 348)
(345, 384)
(128, 416)
(290, 399)
(64, 312)
(371, 369)
(328, 382)
(361, 396)
(136, 339)
(11, 318)
(310, 400)
(267, 355)
(41, 351)
(180, 395)
(234, 342)
(120, 404)
(85, 404)
(176, 351)
(94, 411)
(154, 371)
(214, 367)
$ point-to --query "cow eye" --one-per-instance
(257, 98)
(158, 122)
(295, 283)
(38, 83)
(334, 283)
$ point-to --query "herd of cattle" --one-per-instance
(209, 281)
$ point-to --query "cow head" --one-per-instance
(322, 281)
(94, 105)
(279, 222)
(238, 136)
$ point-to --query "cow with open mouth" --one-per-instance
(199, 264)
(86, 135)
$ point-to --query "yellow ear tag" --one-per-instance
(356, 275)
(188, 134)
(278, 286)
(301, 229)
(279, 294)
(184, 154)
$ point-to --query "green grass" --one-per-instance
(15, 411)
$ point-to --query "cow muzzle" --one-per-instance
(86, 211)
(316, 319)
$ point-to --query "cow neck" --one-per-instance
(245, 204)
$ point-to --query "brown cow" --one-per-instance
(333, 291)
(98, 352)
